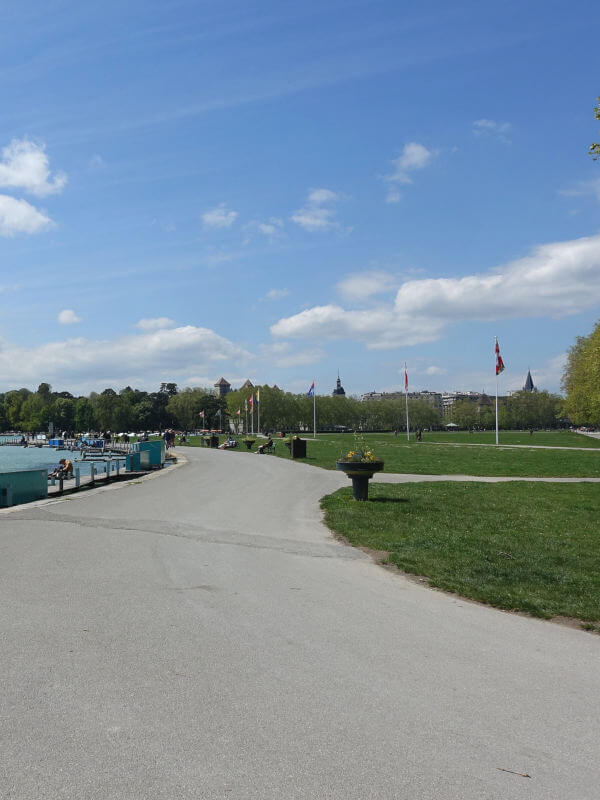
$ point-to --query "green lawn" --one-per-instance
(431, 458)
(550, 438)
(518, 546)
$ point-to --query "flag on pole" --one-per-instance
(251, 402)
(246, 404)
(257, 396)
(499, 362)
(201, 414)
(239, 411)
(311, 391)
(405, 379)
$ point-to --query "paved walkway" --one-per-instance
(201, 635)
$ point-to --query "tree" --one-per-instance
(581, 380)
(595, 147)
(84, 420)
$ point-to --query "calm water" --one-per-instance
(17, 458)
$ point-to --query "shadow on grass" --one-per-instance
(389, 500)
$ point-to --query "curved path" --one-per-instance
(201, 635)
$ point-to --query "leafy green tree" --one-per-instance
(62, 413)
(581, 380)
(532, 410)
(595, 146)
(464, 414)
(84, 417)
(35, 413)
(13, 402)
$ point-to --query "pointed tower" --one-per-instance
(339, 389)
(529, 387)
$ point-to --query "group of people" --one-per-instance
(169, 438)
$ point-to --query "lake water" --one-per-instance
(17, 458)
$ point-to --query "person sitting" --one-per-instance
(64, 469)
(268, 445)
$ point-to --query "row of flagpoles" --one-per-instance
(252, 400)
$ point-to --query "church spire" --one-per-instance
(529, 387)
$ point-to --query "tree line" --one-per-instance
(135, 410)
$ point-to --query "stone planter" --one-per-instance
(360, 472)
(249, 443)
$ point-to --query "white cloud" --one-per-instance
(276, 294)
(68, 317)
(556, 280)
(362, 285)
(219, 217)
(19, 216)
(414, 156)
(272, 229)
(154, 323)
(319, 211)
(433, 370)
(490, 127)
(281, 355)
(393, 196)
(143, 359)
(25, 165)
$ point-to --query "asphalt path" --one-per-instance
(200, 634)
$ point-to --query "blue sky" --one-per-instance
(278, 190)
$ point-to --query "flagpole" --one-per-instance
(406, 398)
(246, 413)
(258, 412)
(315, 413)
(496, 369)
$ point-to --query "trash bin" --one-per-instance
(214, 441)
(298, 448)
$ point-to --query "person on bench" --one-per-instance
(64, 469)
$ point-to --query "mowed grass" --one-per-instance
(434, 458)
(524, 547)
(545, 438)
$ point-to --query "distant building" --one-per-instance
(248, 385)
(371, 396)
(339, 389)
(529, 387)
(223, 387)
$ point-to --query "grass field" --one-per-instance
(431, 457)
(546, 438)
(518, 546)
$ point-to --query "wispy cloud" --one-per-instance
(583, 188)
(414, 157)
(154, 323)
(68, 317)
(489, 127)
(282, 355)
(363, 285)
(277, 294)
(557, 279)
(433, 370)
(219, 217)
(25, 166)
(319, 212)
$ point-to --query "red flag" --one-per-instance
(405, 379)
(499, 362)
(201, 414)
(239, 411)
(251, 401)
